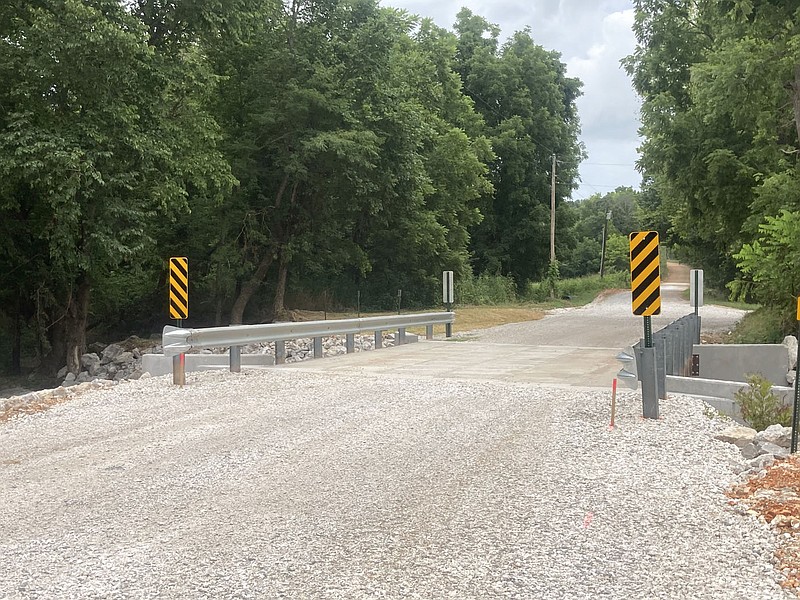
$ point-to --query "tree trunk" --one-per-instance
(76, 326)
(249, 288)
(69, 333)
(16, 338)
(278, 308)
(796, 98)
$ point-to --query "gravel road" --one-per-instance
(287, 484)
(607, 322)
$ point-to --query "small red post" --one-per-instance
(613, 402)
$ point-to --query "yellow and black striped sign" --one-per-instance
(179, 287)
(645, 274)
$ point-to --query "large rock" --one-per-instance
(91, 363)
(776, 451)
(775, 434)
(111, 352)
(739, 436)
(761, 462)
(123, 357)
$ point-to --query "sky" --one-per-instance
(592, 36)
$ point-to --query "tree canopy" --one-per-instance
(290, 149)
(720, 83)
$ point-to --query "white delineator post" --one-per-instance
(448, 297)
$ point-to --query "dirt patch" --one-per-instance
(37, 405)
(775, 498)
(676, 273)
(469, 318)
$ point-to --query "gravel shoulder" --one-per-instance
(283, 483)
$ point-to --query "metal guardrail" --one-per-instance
(178, 340)
(672, 353)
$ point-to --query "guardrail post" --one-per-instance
(350, 342)
(676, 357)
(280, 352)
(378, 339)
(317, 347)
(236, 359)
(688, 344)
(428, 332)
(698, 321)
(669, 343)
(179, 369)
(401, 336)
(448, 330)
(659, 341)
(649, 389)
(680, 345)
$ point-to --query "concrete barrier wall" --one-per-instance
(158, 364)
(734, 362)
(720, 394)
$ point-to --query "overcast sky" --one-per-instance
(592, 36)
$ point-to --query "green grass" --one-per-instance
(576, 291)
(762, 326)
(718, 298)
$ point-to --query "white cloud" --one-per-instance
(592, 36)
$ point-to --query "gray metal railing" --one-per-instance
(672, 349)
(178, 340)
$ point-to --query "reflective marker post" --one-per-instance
(448, 297)
(696, 296)
(645, 302)
(179, 364)
(179, 309)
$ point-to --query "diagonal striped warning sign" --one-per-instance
(179, 287)
(645, 274)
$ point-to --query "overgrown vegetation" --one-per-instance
(486, 289)
(760, 406)
(766, 325)
(579, 290)
(720, 83)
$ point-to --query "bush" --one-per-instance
(580, 289)
(760, 407)
(766, 325)
(485, 289)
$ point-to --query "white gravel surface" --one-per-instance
(285, 484)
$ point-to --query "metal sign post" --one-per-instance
(696, 289)
(448, 297)
(696, 296)
(179, 309)
(645, 302)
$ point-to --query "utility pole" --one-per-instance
(553, 212)
(603, 250)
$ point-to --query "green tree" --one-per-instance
(365, 146)
(720, 85)
(101, 135)
(528, 103)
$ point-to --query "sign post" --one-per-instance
(646, 302)
(448, 297)
(696, 296)
(179, 309)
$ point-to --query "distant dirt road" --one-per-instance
(607, 322)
